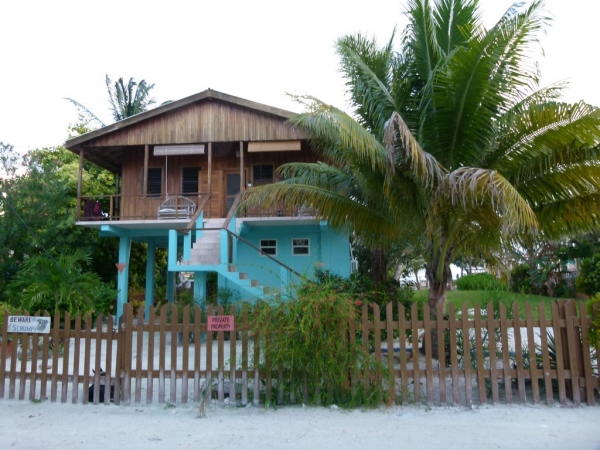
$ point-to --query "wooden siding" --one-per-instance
(224, 160)
(208, 121)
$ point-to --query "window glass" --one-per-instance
(189, 181)
(300, 246)
(269, 246)
(262, 174)
(154, 186)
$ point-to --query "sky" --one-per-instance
(259, 50)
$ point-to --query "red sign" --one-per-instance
(221, 323)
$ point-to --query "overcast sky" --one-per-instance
(255, 49)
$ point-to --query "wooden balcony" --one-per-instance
(136, 207)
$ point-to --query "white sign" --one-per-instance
(28, 324)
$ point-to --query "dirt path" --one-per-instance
(26, 425)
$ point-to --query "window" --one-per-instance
(262, 174)
(269, 246)
(154, 185)
(300, 246)
(189, 181)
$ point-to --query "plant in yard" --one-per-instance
(308, 337)
(479, 282)
(593, 311)
(62, 285)
(451, 145)
(588, 280)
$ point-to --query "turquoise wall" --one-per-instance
(327, 249)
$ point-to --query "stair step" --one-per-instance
(243, 276)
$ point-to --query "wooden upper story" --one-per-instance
(209, 143)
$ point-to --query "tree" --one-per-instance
(128, 100)
(44, 285)
(125, 101)
(452, 144)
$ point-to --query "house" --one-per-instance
(181, 171)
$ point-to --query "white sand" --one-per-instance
(25, 425)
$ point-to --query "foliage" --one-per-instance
(10, 309)
(308, 337)
(128, 100)
(453, 145)
(588, 280)
(593, 310)
(479, 282)
(42, 284)
(520, 279)
(41, 191)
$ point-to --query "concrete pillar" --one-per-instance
(199, 287)
(150, 262)
(123, 275)
(171, 286)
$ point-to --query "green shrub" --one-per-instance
(588, 280)
(479, 282)
(307, 337)
(520, 279)
(594, 332)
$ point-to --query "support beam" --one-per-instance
(123, 275)
(325, 244)
(79, 184)
(209, 177)
(171, 286)
(242, 177)
(199, 288)
(150, 262)
(145, 181)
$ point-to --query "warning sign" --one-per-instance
(28, 324)
(221, 323)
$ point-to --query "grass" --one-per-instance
(457, 298)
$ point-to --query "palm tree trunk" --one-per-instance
(379, 272)
(437, 294)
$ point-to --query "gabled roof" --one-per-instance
(208, 116)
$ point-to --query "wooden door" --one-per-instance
(231, 186)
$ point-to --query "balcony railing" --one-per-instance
(136, 207)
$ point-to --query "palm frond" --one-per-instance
(455, 20)
(470, 188)
(398, 137)
(338, 136)
(476, 84)
(87, 111)
(367, 70)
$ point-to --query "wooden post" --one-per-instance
(209, 177)
(79, 184)
(242, 178)
(145, 181)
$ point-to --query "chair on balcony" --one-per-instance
(176, 208)
(92, 211)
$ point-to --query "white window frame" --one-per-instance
(262, 247)
(298, 246)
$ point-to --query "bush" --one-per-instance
(594, 333)
(479, 282)
(588, 280)
(307, 336)
(520, 279)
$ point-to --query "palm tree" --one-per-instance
(452, 146)
(43, 284)
(128, 100)
(125, 101)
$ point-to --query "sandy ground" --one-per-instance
(26, 425)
